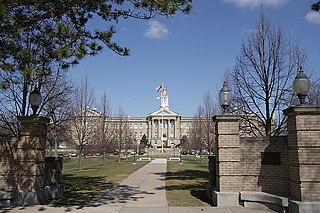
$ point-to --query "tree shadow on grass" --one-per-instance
(190, 180)
(187, 174)
(84, 191)
(79, 190)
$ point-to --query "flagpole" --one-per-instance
(162, 119)
(162, 88)
(162, 132)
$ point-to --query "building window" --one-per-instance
(156, 134)
(130, 126)
(156, 123)
(136, 126)
(141, 134)
(141, 126)
(165, 123)
(155, 142)
(172, 134)
(172, 142)
(172, 124)
(87, 124)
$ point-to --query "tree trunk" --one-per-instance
(80, 158)
(24, 98)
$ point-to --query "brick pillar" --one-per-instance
(228, 168)
(304, 152)
(304, 158)
(30, 168)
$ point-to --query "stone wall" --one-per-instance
(264, 165)
(26, 177)
(8, 148)
(275, 165)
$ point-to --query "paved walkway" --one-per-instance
(143, 192)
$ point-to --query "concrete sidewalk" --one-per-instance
(143, 191)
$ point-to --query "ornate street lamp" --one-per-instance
(225, 97)
(301, 86)
(35, 99)
(134, 150)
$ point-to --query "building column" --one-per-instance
(228, 167)
(159, 130)
(304, 157)
(168, 133)
(178, 129)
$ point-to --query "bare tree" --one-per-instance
(263, 76)
(83, 119)
(209, 110)
(56, 90)
(202, 131)
(121, 130)
(314, 94)
(105, 132)
(57, 107)
(197, 131)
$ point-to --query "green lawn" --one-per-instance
(94, 178)
(185, 183)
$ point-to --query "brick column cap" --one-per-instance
(26, 119)
(226, 118)
(302, 110)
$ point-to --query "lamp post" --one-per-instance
(134, 151)
(225, 98)
(35, 99)
(301, 86)
(180, 146)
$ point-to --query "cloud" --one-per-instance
(128, 99)
(156, 30)
(256, 3)
(313, 17)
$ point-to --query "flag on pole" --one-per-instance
(159, 88)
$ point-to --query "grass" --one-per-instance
(185, 183)
(94, 178)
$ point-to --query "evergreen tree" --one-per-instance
(316, 6)
(144, 141)
(39, 37)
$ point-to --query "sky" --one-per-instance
(189, 54)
